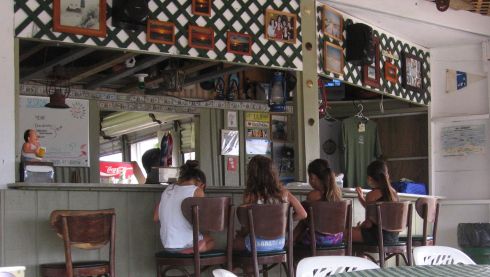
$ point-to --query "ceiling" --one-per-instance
(423, 24)
(476, 6)
(104, 69)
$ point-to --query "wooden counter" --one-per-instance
(28, 239)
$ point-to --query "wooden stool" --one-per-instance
(206, 214)
(393, 217)
(328, 218)
(85, 230)
(268, 222)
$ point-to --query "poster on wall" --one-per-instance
(461, 140)
(117, 173)
(64, 132)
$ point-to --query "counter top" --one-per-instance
(298, 190)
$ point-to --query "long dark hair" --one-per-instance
(190, 170)
(321, 169)
(263, 180)
(378, 170)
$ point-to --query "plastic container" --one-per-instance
(474, 240)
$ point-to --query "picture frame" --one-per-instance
(332, 23)
(371, 72)
(239, 43)
(286, 31)
(412, 78)
(202, 7)
(279, 127)
(86, 17)
(333, 58)
(160, 32)
(391, 72)
(201, 37)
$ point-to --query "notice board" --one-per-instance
(64, 132)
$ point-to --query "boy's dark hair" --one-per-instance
(26, 134)
(150, 159)
(190, 171)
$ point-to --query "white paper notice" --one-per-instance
(462, 140)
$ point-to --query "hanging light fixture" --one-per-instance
(173, 78)
(277, 93)
(57, 88)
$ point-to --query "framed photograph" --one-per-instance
(230, 142)
(332, 23)
(280, 26)
(201, 37)
(202, 7)
(333, 58)
(160, 32)
(279, 127)
(391, 72)
(412, 78)
(238, 43)
(81, 17)
(371, 72)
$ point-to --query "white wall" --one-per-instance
(7, 103)
(465, 180)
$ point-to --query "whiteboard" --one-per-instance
(64, 132)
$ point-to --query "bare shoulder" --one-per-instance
(374, 195)
(198, 192)
(314, 195)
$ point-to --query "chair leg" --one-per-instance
(397, 260)
(265, 271)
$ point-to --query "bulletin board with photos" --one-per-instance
(257, 134)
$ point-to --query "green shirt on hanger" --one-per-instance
(361, 146)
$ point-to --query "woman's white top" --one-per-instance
(29, 156)
(175, 230)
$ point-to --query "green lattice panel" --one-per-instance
(353, 73)
(33, 20)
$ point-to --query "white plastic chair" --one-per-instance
(439, 255)
(223, 273)
(330, 265)
(12, 271)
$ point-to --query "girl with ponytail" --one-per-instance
(378, 179)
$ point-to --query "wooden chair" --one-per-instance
(85, 230)
(206, 214)
(267, 222)
(393, 217)
(428, 209)
(327, 217)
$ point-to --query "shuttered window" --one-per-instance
(187, 137)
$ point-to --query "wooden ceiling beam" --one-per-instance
(69, 57)
(33, 50)
(101, 66)
(140, 65)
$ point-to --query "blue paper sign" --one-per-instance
(461, 80)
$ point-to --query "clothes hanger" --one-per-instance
(328, 116)
(360, 114)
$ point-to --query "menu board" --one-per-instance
(64, 132)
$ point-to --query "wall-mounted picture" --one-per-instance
(160, 32)
(391, 72)
(82, 17)
(279, 127)
(332, 23)
(371, 72)
(238, 43)
(201, 37)
(412, 78)
(333, 58)
(202, 7)
(280, 26)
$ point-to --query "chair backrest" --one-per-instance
(213, 212)
(328, 217)
(223, 273)
(439, 255)
(330, 265)
(85, 229)
(428, 209)
(394, 215)
(269, 220)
